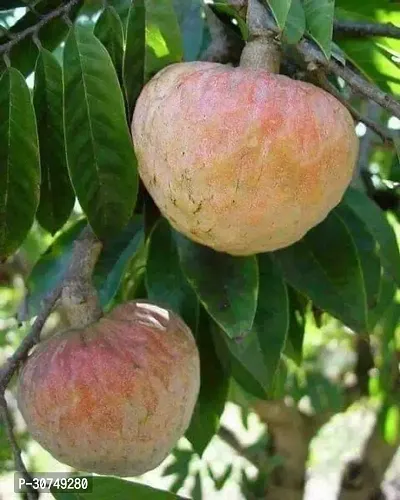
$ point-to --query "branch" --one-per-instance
(361, 28)
(366, 474)
(312, 54)
(382, 132)
(76, 280)
(19, 464)
(61, 11)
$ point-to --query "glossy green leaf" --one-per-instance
(110, 32)
(105, 488)
(190, 15)
(295, 24)
(227, 286)
(19, 162)
(114, 259)
(319, 22)
(231, 13)
(213, 390)
(325, 267)
(271, 322)
(280, 10)
(379, 227)
(165, 281)
(23, 55)
(179, 468)
(243, 359)
(153, 41)
(57, 197)
(367, 252)
(101, 159)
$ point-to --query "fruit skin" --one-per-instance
(114, 397)
(242, 160)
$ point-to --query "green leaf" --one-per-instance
(165, 281)
(213, 390)
(134, 62)
(295, 24)
(319, 21)
(179, 468)
(280, 10)
(297, 326)
(105, 488)
(110, 268)
(23, 55)
(271, 322)
(197, 490)
(227, 286)
(373, 56)
(153, 41)
(385, 298)
(379, 227)
(19, 162)
(115, 257)
(101, 160)
(110, 32)
(190, 15)
(57, 197)
(242, 359)
(220, 481)
(367, 252)
(325, 267)
(50, 268)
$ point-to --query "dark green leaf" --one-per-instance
(191, 21)
(165, 281)
(319, 21)
(325, 267)
(114, 258)
(385, 298)
(134, 61)
(271, 322)
(295, 24)
(19, 162)
(297, 325)
(197, 491)
(379, 227)
(105, 488)
(101, 160)
(213, 390)
(367, 252)
(23, 55)
(227, 286)
(153, 41)
(323, 393)
(243, 360)
(110, 32)
(280, 10)
(57, 197)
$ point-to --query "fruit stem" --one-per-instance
(262, 50)
(79, 297)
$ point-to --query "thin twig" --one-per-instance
(382, 132)
(19, 464)
(11, 365)
(59, 12)
(361, 29)
(312, 54)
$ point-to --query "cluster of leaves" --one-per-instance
(69, 139)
